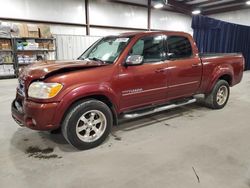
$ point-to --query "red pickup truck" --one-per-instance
(128, 76)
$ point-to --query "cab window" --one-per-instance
(151, 48)
(178, 47)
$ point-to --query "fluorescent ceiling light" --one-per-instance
(248, 2)
(158, 5)
(195, 12)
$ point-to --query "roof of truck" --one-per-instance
(150, 32)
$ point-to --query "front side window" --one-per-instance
(106, 50)
(178, 47)
(151, 48)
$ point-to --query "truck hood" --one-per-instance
(45, 68)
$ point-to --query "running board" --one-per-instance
(157, 109)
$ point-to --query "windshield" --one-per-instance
(106, 50)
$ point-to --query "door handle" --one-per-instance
(159, 70)
(195, 65)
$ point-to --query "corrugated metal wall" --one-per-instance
(72, 46)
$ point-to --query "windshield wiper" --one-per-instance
(96, 59)
(81, 58)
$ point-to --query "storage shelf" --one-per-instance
(41, 50)
(6, 63)
(3, 38)
(27, 38)
(9, 50)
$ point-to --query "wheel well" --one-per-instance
(101, 98)
(227, 78)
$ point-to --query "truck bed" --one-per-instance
(234, 62)
(207, 55)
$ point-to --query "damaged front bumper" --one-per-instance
(37, 116)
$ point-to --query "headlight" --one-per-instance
(42, 90)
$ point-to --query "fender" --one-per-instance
(219, 71)
(84, 91)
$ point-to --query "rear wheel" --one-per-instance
(218, 98)
(87, 124)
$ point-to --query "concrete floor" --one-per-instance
(164, 150)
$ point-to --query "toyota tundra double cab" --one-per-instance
(123, 76)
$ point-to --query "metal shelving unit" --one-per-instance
(36, 52)
(3, 65)
(15, 52)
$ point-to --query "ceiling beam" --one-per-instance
(224, 5)
(128, 3)
(196, 5)
(173, 6)
(186, 1)
(228, 9)
(182, 7)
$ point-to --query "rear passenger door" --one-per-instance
(184, 67)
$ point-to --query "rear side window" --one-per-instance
(151, 48)
(178, 47)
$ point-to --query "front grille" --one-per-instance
(20, 87)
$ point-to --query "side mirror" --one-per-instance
(134, 60)
(170, 55)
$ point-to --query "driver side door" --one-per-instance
(144, 84)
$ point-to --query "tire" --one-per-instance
(87, 124)
(216, 100)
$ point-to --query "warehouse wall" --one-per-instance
(67, 30)
(100, 13)
(71, 11)
(237, 17)
(171, 21)
(72, 46)
(114, 14)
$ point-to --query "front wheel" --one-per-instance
(87, 124)
(218, 98)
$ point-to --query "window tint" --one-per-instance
(151, 48)
(178, 47)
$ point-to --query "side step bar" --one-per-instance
(156, 109)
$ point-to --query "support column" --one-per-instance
(87, 17)
(149, 15)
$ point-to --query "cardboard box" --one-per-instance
(5, 45)
(4, 30)
(44, 31)
(40, 45)
(46, 45)
(14, 29)
(51, 46)
(23, 30)
(33, 31)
